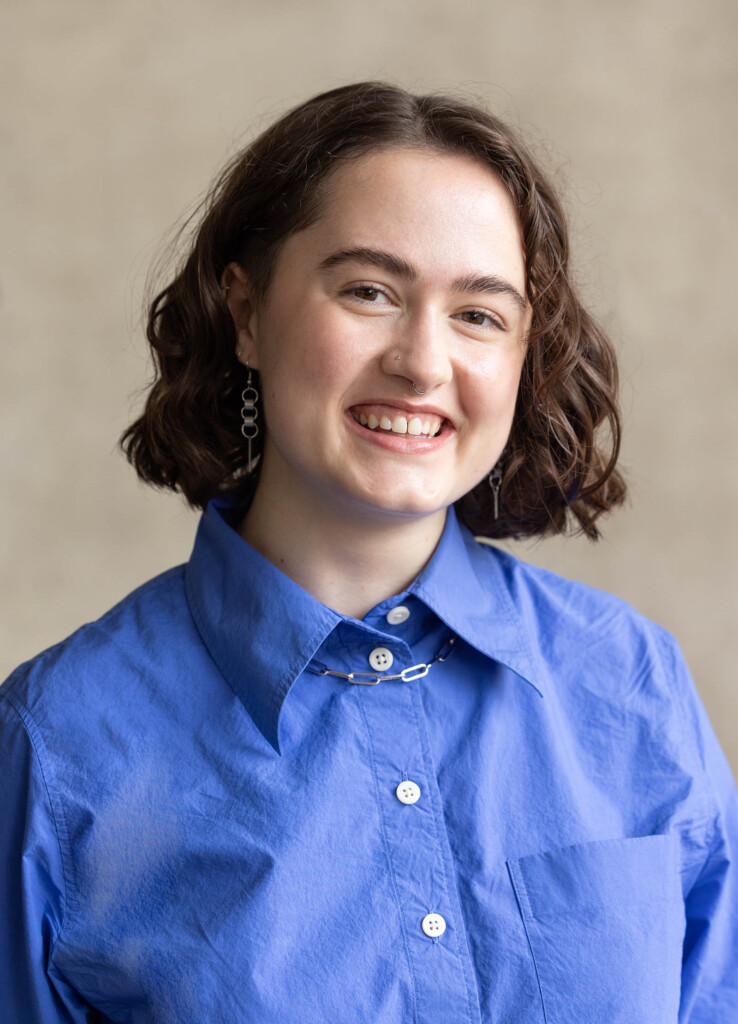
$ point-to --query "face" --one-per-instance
(326, 341)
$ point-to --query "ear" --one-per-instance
(237, 293)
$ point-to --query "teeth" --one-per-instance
(400, 425)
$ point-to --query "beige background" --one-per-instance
(115, 118)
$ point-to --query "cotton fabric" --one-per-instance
(197, 828)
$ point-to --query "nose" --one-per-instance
(423, 352)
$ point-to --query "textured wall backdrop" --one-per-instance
(115, 118)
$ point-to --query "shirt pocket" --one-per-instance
(605, 924)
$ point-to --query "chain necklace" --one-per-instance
(371, 679)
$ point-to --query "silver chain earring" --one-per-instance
(495, 482)
(249, 413)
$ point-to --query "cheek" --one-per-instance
(493, 389)
(319, 354)
(344, 353)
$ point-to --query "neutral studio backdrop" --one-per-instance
(114, 119)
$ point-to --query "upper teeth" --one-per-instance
(400, 424)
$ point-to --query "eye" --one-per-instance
(495, 324)
(364, 288)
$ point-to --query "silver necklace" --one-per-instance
(371, 679)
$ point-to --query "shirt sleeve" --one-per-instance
(32, 889)
(710, 951)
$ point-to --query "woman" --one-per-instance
(349, 762)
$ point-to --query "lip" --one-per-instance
(414, 410)
(403, 443)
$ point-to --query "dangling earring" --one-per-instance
(495, 482)
(249, 412)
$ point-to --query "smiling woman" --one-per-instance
(448, 204)
(422, 221)
(352, 762)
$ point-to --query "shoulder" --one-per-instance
(618, 680)
(619, 689)
(550, 595)
(93, 662)
(583, 634)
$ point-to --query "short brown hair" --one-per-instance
(555, 473)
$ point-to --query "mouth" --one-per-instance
(399, 422)
(399, 440)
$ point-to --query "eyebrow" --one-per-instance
(401, 268)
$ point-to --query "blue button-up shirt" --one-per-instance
(200, 828)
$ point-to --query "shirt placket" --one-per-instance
(418, 852)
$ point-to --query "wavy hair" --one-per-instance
(558, 472)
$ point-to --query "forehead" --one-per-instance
(393, 165)
(435, 208)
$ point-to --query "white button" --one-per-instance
(381, 658)
(408, 792)
(397, 615)
(433, 925)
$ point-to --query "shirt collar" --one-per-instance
(261, 628)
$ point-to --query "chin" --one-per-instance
(403, 503)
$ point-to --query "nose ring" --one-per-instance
(414, 388)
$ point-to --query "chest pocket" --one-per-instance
(605, 924)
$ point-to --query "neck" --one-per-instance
(348, 558)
